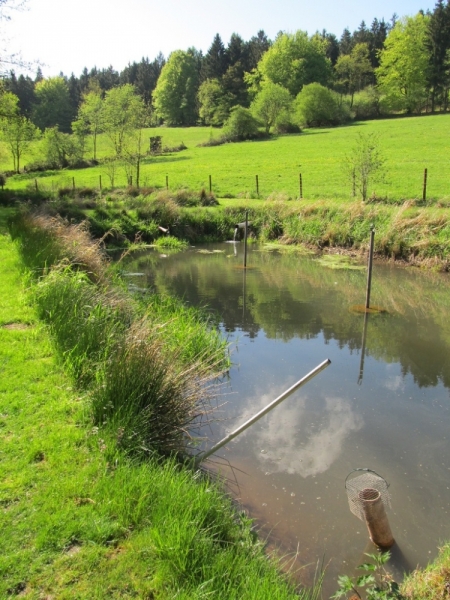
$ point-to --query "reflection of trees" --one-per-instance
(291, 296)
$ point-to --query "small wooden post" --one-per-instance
(353, 183)
(36, 184)
(369, 267)
(257, 185)
(210, 184)
(425, 177)
(73, 183)
(167, 182)
(131, 180)
(100, 182)
(245, 239)
(301, 186)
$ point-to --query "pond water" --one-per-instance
(382, 404)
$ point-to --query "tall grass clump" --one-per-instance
(146, 396)
(147, 383)
(45, 241)
(86, 322)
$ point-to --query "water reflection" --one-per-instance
(289, 443)
(283, 317)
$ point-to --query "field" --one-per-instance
(409, 145)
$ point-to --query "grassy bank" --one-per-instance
(415, 232)
(83, 514)
(409, 145)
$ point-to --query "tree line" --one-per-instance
(297, 79)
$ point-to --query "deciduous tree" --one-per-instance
(294, 60)
(270, 102)
(175, 96)
(402, 74)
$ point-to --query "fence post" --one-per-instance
(167, 182)
(100, 182)
(301, 185)
(425, 177)
(73, 183)
(210, 184)
(36, 184)
(257, 185)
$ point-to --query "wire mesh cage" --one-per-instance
(366, 486)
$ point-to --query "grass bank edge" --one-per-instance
(413, 232)
(185, 531)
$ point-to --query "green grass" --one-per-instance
(409, 145)
(80, 519)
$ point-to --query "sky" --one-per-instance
(67, 36)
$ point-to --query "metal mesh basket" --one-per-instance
(361, 485)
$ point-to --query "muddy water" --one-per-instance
(386, 408)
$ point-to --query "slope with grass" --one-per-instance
(409, 145)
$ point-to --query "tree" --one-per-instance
(90, 116)
(123, 113)
(437, 43)
(175, 95)
(269, 104)
(23, 88)
(365, 163)
(316, 106)
(215, 61)
(17, 131)
(402, 74)
(53, 107)
(214, 102)
(60, 149)
(295, 60)
(353, 70)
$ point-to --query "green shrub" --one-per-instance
(316, 106)
(240, 125)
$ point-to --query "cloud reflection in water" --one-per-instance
(289, 443)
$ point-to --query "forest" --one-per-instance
(251, 88)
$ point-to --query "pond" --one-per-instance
(382, 404)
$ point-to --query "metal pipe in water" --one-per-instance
(375, 517)
(201, 457)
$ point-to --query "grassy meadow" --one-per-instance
(409, 145)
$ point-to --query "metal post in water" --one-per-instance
(201, 457)
(369, 267)
(245, 239)
(363, 349)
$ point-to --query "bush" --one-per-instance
(317, 106)
(240, 125)
(284, 124)
(367, 104)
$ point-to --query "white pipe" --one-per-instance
(201, 457)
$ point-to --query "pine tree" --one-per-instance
(215, 60)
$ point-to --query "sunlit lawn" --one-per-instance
(409, 145)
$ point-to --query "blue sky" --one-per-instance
(66, 36)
